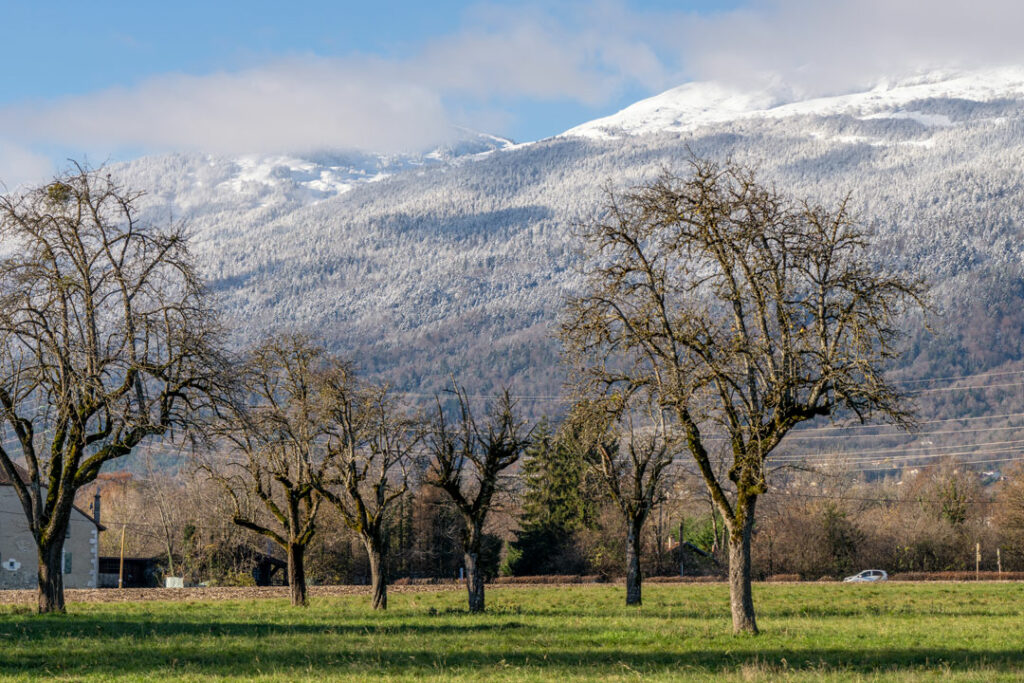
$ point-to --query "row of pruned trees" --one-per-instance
(311, 432)
(716, 311)
(303, 430)
(813, 526)
(108, 338)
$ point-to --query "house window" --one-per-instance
(65, 558)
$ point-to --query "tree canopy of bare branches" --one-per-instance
(469, 460)
(745, 313)
(370, 446)
(628, 443)
(269, 446)
(107, 338)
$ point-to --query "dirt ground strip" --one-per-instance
(28, 597)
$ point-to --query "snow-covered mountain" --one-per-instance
(459, 260)
(694, 105)
(261, 180)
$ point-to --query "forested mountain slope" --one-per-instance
(458, 261)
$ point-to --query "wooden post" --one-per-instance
(977, 561)
(999, 562)
(120, 571)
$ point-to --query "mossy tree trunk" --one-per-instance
(474, 575)
(633, 578)
(297, 574)
(741, 598)
(51, 576)
(378, 574)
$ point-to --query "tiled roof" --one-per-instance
(5, 481)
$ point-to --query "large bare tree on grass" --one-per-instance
(369, 450)
(107, 339)
(469, 461)
(628, 444)
(745, 313)
(268, 450)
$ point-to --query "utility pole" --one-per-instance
(120, 571)
(999, 562)
(977, 561)
(681, 558)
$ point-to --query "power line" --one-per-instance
(811, 430)
(900, 458)
(108, 523)
(902, 451)
(891, 501)
(973, 462)
(906, 435)
(978, 388)
(959, 377)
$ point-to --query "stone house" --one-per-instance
(18, 559)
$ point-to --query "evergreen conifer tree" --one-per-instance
(555, 506)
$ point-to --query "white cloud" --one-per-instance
(528, 52)
(19, 165)
(816, 47)
(292, 104)
(583, 52)
(360, 102)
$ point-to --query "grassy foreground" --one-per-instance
(811, 632)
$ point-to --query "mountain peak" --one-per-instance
(697, 104)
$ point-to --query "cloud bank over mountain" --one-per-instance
(824, 48)
(503, 56)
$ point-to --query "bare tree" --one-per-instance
(269, 447)
(627, 443)
(468, 462)
(745, 313)
(159, 491)
(107, 338)
(369, 448)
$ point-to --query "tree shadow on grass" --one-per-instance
(43, 629)
(842, 612)
(103, 647)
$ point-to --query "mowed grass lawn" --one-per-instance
(815, 632)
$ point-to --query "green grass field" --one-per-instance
(810, 632)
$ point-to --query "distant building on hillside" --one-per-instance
(18, 558)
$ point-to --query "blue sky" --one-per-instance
(64, 47)
(110, 80)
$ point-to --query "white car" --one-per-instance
(868, 575)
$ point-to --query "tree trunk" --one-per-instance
(474, 581)
(714, 528)
(633, 595)
(378, 576)
(474, 577)
(297, 573)
(51, 576)
(740, 595)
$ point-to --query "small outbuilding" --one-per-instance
(139, 572)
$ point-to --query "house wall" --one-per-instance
(16, 544)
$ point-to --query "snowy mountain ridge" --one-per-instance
(265, 180)
(459, 261)
(693, 105)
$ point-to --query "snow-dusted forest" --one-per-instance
(459, 260)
